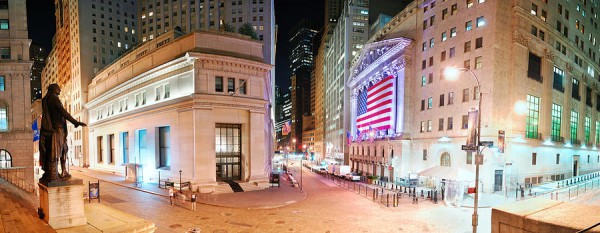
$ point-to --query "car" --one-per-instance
(353, 176)
(322, 170)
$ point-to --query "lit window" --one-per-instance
(452, 32)
(480, 21)
(468, 26)
(151, 13)
(2, 84)
(119, 44)
(4, 24)
(143, 16)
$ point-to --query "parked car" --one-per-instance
(322, 170)
(353, 176)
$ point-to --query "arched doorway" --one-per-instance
(445, 160)
(5, 159)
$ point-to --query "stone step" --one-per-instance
(7, 218)
(251, 187)
(17, 214)
(223, 188)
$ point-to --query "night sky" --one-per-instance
(40, 18)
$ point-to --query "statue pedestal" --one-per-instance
(62, 203)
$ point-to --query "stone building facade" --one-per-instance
(538, 70)
(194, 104)
(15, 95)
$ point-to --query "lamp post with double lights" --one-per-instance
(452, 73)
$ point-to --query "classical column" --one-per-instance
(257, 147)
(353, 104)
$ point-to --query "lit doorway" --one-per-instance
(228, 139)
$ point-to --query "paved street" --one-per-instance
(327, 208)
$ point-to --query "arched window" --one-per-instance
(3, 116)
(445, 160)
(5, 159)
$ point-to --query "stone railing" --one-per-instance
(15, 176)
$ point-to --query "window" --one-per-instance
(158, 93)
(4, 4)
(575, 90)
(111, 149)
(478, 62)
(230, 85)
(556, 122)
(467, 46)
(452, 32)
(533, 158)
(242, 87)
(4, 24)
(3, 116)
(429, 103)
(218, 84)
(423, 80)
(597, 134)
(450, 123)
(465, 121)
(443, 56)
(422, 105)
(533, 117)
(467, 64)
(534, 67)
(5, 159)
(453, 9)
(5, 53)
(557, 158)
(574, 121)
(465, 95)
(441, 124)
(125, 146)
(558, 79)
(429, 125)
(443, 36)
(479, 42)
(586, 128)
(100, 149)
(431, 42)
(425, 24)
(452, 52)
(476, 93)
(442, 100)
(468, 26)
(424, 155)
(444, 13)
(450, 98)
(167, 90)
(164, 144)
(431, 20)
(2, 83)
(534, 9)
(422, 126)
(480, 21)
(469, 3)
(430, 61)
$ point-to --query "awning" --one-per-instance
(449, 173)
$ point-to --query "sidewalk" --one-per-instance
(272, 197)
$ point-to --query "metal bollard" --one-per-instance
(422, 196)
(429, 194)
(374, 193)
(388, 200)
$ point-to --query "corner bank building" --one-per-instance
(195, 104)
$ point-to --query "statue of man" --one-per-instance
(53, 135)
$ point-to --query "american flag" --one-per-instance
(375, 106)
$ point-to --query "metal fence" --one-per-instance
(567, 189)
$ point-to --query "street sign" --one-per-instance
(470, 190)
(469, 147)
(486, 143)
(508, 164)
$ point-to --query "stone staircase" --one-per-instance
(225, 188)
(18, 212)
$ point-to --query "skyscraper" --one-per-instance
(38, 56)
(89, 35)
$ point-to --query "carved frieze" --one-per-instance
(548, 54)
(521, 39)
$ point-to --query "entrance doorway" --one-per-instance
(498, 180)
(575, 165)
(229, 151)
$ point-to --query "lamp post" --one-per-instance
(452, 73)
(287, 155)
(302, 158)
(179, 180)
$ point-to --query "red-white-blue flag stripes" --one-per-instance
(375, 106)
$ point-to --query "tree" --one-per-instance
(248, 30)
(228, 28)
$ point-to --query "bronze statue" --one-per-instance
(53, 136)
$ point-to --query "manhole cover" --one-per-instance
(175, 226)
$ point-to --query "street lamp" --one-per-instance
(179, 180)
(451, 73)
(301, 158)
(287, 156)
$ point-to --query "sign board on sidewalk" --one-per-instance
(94, 191)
